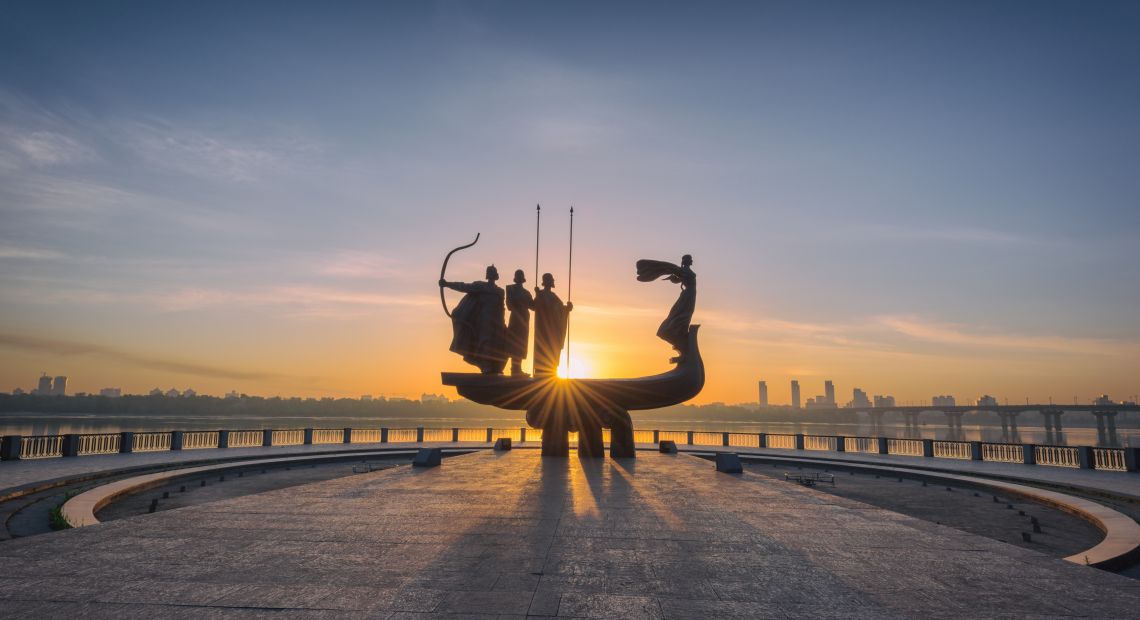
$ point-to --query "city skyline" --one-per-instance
(923, 200)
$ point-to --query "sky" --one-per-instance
(913, 198)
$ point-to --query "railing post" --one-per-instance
(975, 450)
(656, 436)
(10, 448)
(71, 445)
(490, 433)
(455, 435)
(884, 445)
(419, 434)
(689, 441)
(928, 448)
(724, 440)
(308, 436)
(840, 443)
(522, 434)
(126, 442)
(223, 439)
(799, 441)
(176, 440)
(266, 437)
(347, 438)
(383, 435)
(1132, 459)
(763, 440)
(1085, 457)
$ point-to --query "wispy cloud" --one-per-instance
(922, 330)
(72, 349)
(25, 253)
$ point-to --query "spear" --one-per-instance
(537, 227)
(569, 287)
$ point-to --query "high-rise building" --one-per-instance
(858, 399)
(884, 401)
(795, 394)
(829, 392)
(763, 393)
(110, 392)
(987, 401)
(59, 386)
(943, 400)
(44, 387)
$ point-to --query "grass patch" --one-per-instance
(55, 517)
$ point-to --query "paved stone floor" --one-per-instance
(512, 534)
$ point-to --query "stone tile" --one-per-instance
(576, 605)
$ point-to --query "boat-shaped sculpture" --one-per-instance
(586, 406)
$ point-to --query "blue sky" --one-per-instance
(911, 197)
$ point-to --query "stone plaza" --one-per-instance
(512, 534)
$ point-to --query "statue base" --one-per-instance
(586, 406)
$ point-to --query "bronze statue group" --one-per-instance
(485, 340)
(480, 335)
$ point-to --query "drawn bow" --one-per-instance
(443, 271)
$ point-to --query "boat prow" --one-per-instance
(676, 386)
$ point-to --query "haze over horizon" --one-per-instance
(913, 198)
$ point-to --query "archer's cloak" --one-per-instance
(477, 324)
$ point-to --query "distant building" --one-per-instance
(1103, 399)
(795, 394)
(884, 401)
(44, 387)
(156, 392)
(189, 393)
(366, 397)
(858, 399)
(987, 401)
(829, 392)
(18, 392)
(172, 393)
(232, 395)
(111, 392)
(433, 398)
(59, 386)
(763, 394)
(943, 401)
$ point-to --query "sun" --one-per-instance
(579, 368)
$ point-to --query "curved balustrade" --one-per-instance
(151, 442)
(200, 440)
(49, 446)
(101, 443)
(952, 450)
(783, 442)
(41, 446)
(905, 447)
(861, 444)
(820, 442)
(246, 439)
(1003, 452)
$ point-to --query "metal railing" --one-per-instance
(363, 435)
(151, 442)
(331, 435)
(680, 437)
(48, 446)
(820, 442)
(199, 440)
(744, 440)
(708, 439)
(1110, 458)
(952, 450)
(101, 443)
(905, 447)
(1003, 452)
(246, 439)
(294, 437)
(1057, 456)
(41, 446)
(861, 444)
(783, 442)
